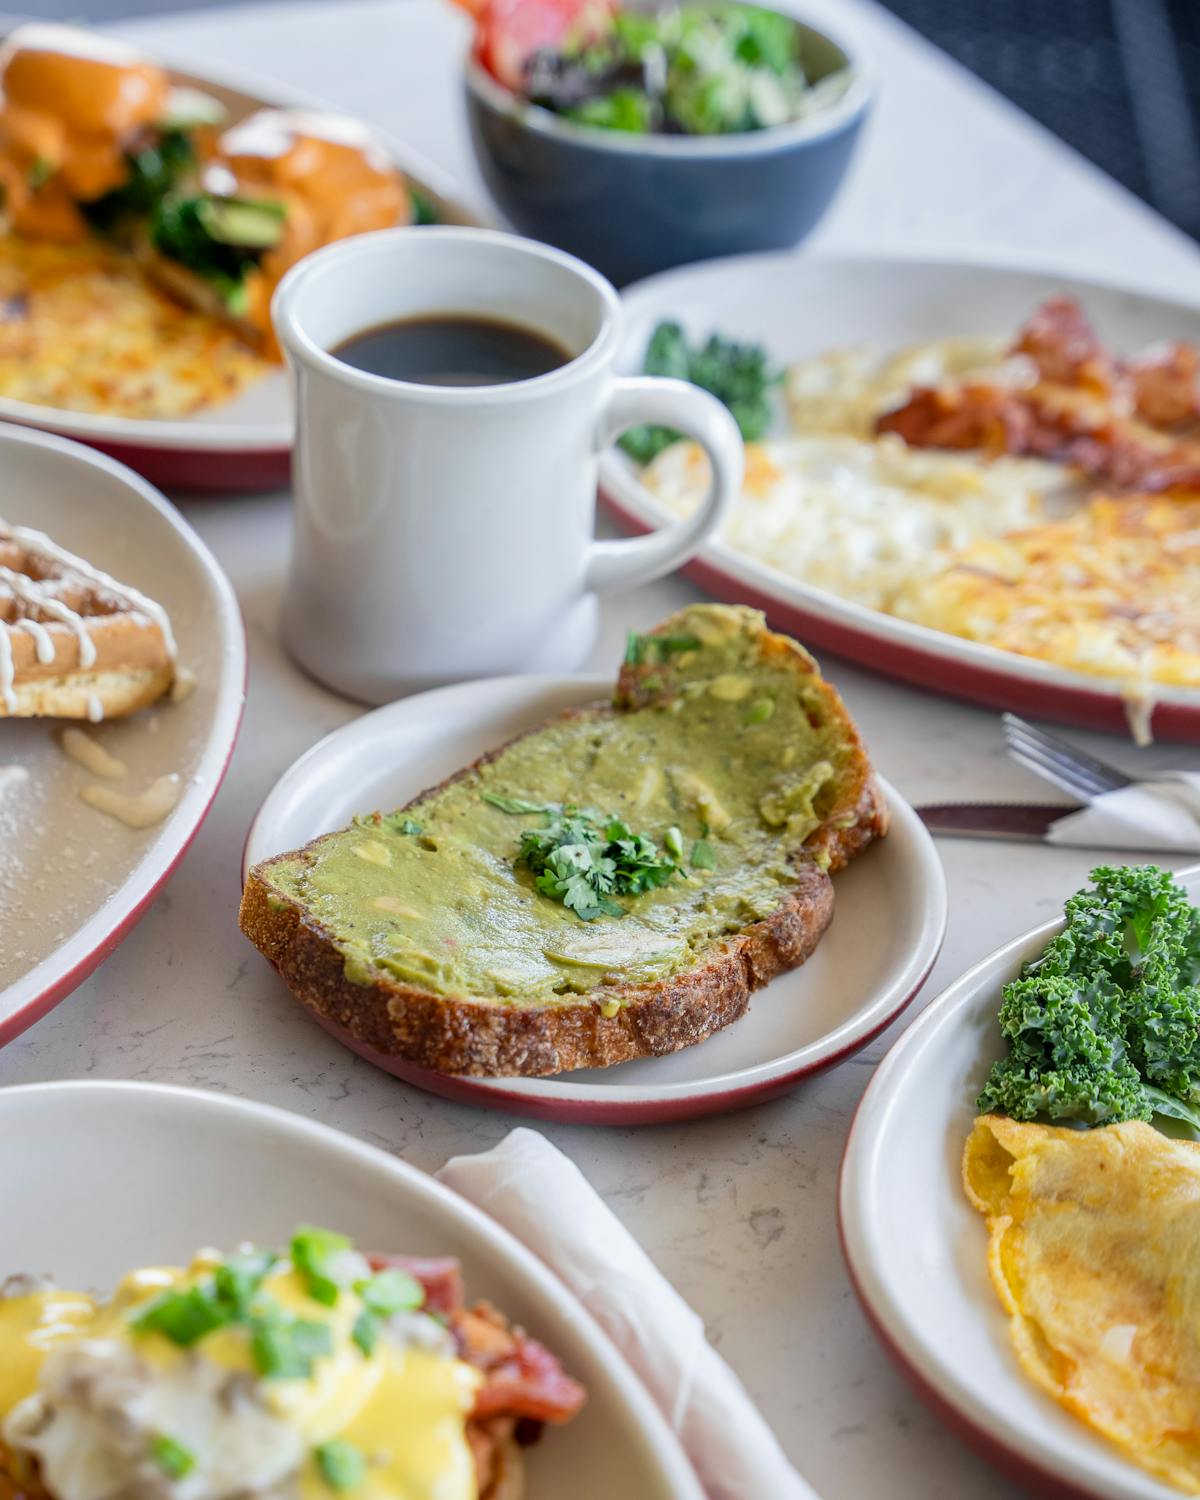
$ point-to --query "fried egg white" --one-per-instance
(1094, 1251)
(855, 517)
(82, 330)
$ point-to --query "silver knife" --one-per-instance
(994, 820)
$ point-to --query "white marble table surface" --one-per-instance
(739, 1211)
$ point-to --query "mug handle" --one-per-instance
(670, 403)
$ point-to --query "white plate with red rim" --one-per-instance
(73, 881)
(802, 1022)
(917, 1250)
(80, 1162)
(245, 445)
(798, 305)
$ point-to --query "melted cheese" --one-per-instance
(404, 1406)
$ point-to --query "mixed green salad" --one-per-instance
(1104, 1025)
(715, 69)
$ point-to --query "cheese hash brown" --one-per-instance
(82, 329)
(1113, 590)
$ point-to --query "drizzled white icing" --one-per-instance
(42, 643)
(40, 594)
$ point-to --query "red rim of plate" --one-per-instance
(45, 1000)
(599, 1111)
(1011, 1461)
(1040, 1477)
(880, 652)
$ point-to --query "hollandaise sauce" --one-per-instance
(305, 1374)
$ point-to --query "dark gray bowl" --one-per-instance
(632, 205)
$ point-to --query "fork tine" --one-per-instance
(1052, 753)
(1057, 769)
(1054, 774)
(1112, 776)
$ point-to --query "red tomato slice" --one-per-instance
(511, 31)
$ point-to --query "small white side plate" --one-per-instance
(917, 1250)
(97, 1178)
(893, 895)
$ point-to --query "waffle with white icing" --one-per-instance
(75, 643)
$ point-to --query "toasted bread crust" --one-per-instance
(473, 1037)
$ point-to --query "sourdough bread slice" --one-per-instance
(423, 935)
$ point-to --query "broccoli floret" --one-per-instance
(736, 374)
(1105, 1024)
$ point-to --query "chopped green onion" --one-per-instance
(391, 1291)
(285, 1348)
(312, 1251)
(342, 1465)
(172, 1457)
(365, 1332)
(184, 1317)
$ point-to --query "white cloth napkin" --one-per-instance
(1161, 814)
(541, 1197)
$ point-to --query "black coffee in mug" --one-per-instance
(452, 349)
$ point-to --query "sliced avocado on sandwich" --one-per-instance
(613, 884)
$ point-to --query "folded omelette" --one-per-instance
(1094, 1250)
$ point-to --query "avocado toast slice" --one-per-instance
(613, 884)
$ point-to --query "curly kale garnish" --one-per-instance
(584, 860)
(1104, 1025)
(734, 373)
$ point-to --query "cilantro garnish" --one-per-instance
(172, 1457)
(654, 650)
(517, 804)
(342, 1465)
(584, 860)
(703, 857)
(398, 822)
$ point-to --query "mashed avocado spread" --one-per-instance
(730, 745)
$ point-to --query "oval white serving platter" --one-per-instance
(246, 444)
(917, 1250)
(798, 305)
(97, 1178)
(72, 880)
(802, 1022)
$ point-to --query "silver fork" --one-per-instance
(1061, 763)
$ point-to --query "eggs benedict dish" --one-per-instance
(265, 1376)
(279, 185)
(90, 131)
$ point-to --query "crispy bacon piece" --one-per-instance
(1134, 425)
(1065, 347)
(523, 1379)
(1166, 385)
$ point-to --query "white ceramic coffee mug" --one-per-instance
(445, 532)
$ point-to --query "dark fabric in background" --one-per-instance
(1118, 79)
